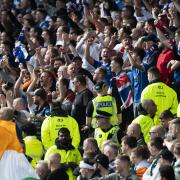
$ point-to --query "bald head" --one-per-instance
(6, 113)
(145, 103)
(19, 104)
(134, 130)
(54, 160)
(42, 169)
(149, 106)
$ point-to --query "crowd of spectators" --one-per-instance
(93, 87)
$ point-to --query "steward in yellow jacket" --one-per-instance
(70, 156)
(51, 125)
(147, 110)
(33, 146)
(163, 96)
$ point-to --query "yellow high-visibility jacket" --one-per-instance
(102, 136)
(146, 123)
(163, 96)
(105, 103)
(72, 155)
(51, 126)
(34, 149)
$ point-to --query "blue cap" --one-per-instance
(151, 37)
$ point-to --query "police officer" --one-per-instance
(105, 130)
(103, 102)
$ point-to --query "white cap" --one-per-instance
(85, 165)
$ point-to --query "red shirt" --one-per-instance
(163, 59)
(70, 95)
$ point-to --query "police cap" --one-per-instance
(99, 85)
(102, 114)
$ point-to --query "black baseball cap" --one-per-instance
(151, 37)
(103, 160)
(40, 92)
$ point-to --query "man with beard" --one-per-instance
(70, 156)
(39, 108)
(104, 63)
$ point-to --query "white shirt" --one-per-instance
(145, 15)
(94, 51)
(155, 173)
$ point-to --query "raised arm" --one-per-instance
(39, 57)
(177, 4)
(87, 56)
(17, 86)
(147, 5)
(31, 88)
(133, 62)
(174, 65)
(62, 93)
(79, 46)
(112, 41)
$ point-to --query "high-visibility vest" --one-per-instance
(33, 149)
(146, 123)
(105, 103)
(52, 124)
(102, 136)
(163, 96)
(72, 155)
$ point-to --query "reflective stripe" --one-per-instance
(105, 103)
(102, 136)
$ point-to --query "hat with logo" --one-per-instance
(99, 85)
(103, 160)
